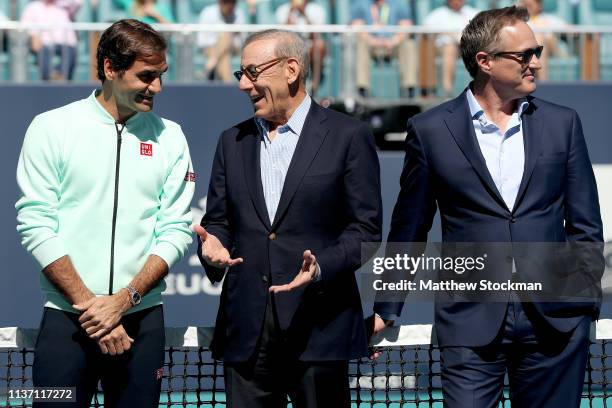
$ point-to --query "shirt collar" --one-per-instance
(476, 111)
(103, 114)
(295, 123)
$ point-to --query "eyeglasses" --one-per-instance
(525, 56)
(253, 71)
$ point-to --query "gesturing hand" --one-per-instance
(304, 276)
(115, 342)
(213, 251)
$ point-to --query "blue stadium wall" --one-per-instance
(203, 112)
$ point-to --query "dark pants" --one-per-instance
(545, 368)
(274, 372)
(65, 67)
(66, 357)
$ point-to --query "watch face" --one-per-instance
(135, 298)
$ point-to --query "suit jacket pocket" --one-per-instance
(552, 158)
(317, 175)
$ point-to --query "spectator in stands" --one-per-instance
(538, 19)
(303, 12)
(72, 7)
(58, 41)
(148, 11)
(384, 46)
(3, 36)
(220, 47)
(455, 15)
(252, 10)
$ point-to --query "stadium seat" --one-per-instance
(5, 8)
(385, 80)
(109, 11)
(20, 5)
(85, 13)
(265, 12)
(560, 8)
(564, 69)
(343, 12)
(188, 11)
(599, 12)
(424, 7)
(595, 12)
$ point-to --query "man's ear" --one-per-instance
(484, 61)
(293, 70)
(109, 72)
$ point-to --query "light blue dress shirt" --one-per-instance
(275, 157)
(504, 153)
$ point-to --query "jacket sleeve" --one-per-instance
(583, 224)
(413, 213)
(582, 214)
(172, 233)
(363, 208)
(39, 173)
(215, 219)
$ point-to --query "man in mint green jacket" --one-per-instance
(106, 190)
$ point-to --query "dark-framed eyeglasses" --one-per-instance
(525, 56)
(253, 71)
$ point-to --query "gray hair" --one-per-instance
(482, 33)
(289, 45)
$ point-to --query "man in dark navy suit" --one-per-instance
(294, 192)
(502, 166)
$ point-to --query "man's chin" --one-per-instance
(527, 87)
(259, 112)
(144, 107)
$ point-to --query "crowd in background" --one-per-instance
(56, 48)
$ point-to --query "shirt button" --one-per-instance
(272, 236)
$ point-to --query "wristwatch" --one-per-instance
(135, 297)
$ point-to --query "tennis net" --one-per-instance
(406, 375)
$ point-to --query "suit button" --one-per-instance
(513, 220)
(264, 278)
(272, 236)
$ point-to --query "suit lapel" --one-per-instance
(308, 145)
(532, 129)
(252, 172)
(460, 125)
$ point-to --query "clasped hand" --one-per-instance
(100, 317)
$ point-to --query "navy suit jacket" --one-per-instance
(330, 204)
(556, 202)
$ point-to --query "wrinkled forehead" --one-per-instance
(258, 52)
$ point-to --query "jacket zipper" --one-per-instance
(115, 204)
